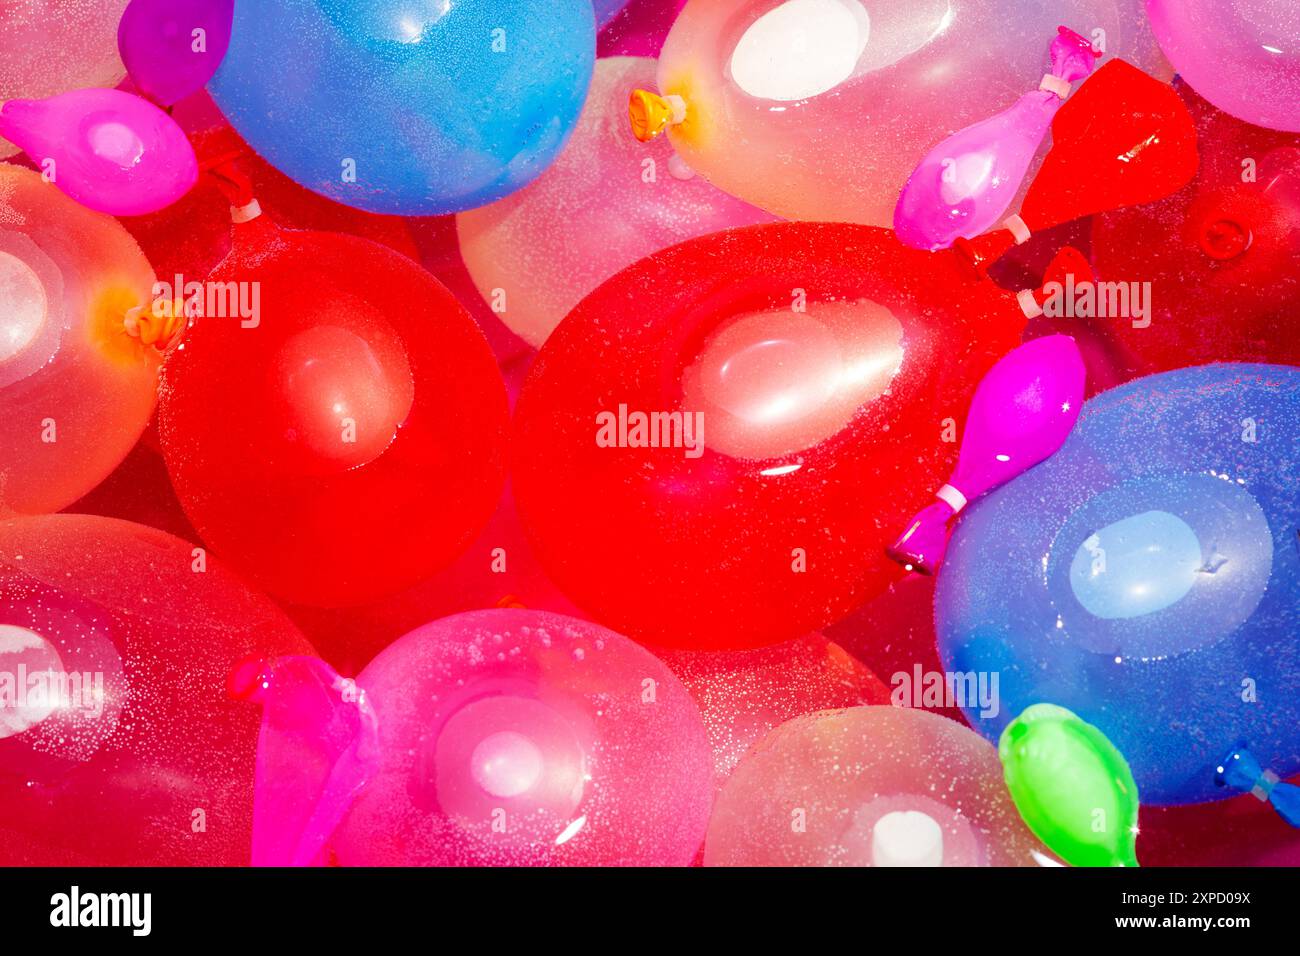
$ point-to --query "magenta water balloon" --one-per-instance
(963, 186)
(319, 744)
(173, 47)
(108, 150)
(1022, 412)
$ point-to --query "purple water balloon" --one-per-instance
(963, 186)
(173, 47)
(1022, 412)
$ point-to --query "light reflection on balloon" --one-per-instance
(514, 737)
(113, 775)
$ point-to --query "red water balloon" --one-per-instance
(497, 570)
(135, 754)
(822, 361)
(1123, 139)
(1220, 258)
(340, 435)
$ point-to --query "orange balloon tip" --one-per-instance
(650, 113)
(158, 325)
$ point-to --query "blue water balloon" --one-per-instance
(412, 107)
(1147, 577)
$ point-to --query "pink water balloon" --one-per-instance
(76, 388)
(1242, 57)
(57, 45)
(605, 203)
(820, 109)
(1022, 412)
(319, 744)
(515, 737)
(869, 786)
(137, 755)
(744, 694)
(963, 186)
(173, 47)
(108, 150)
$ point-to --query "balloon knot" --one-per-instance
(650, 114)
(158, 325)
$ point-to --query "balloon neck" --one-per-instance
(1224, 239)
(1072, 59)
(223, 169)
(1242, 773)
(922, 546)
(246, 212)
(159, 324)
(1069, 266)
(650, 114)
(982, 251)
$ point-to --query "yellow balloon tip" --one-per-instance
(651, 114)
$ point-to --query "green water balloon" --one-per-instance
(1074, 790)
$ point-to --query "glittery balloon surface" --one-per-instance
(820, 109)
(1241, 56)
(402, 109)
(606, 202)
(1147, 577)
(869, 786)
(744, 694)
(528, 738)
(338, 435)
(76, 390)
(135, 755)
(799, 375)
(52, 46)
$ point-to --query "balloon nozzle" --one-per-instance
(1224, 239)
(1240, 771)
(922, 546)
(1077, 39)
(650, 114)
(158, 325)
